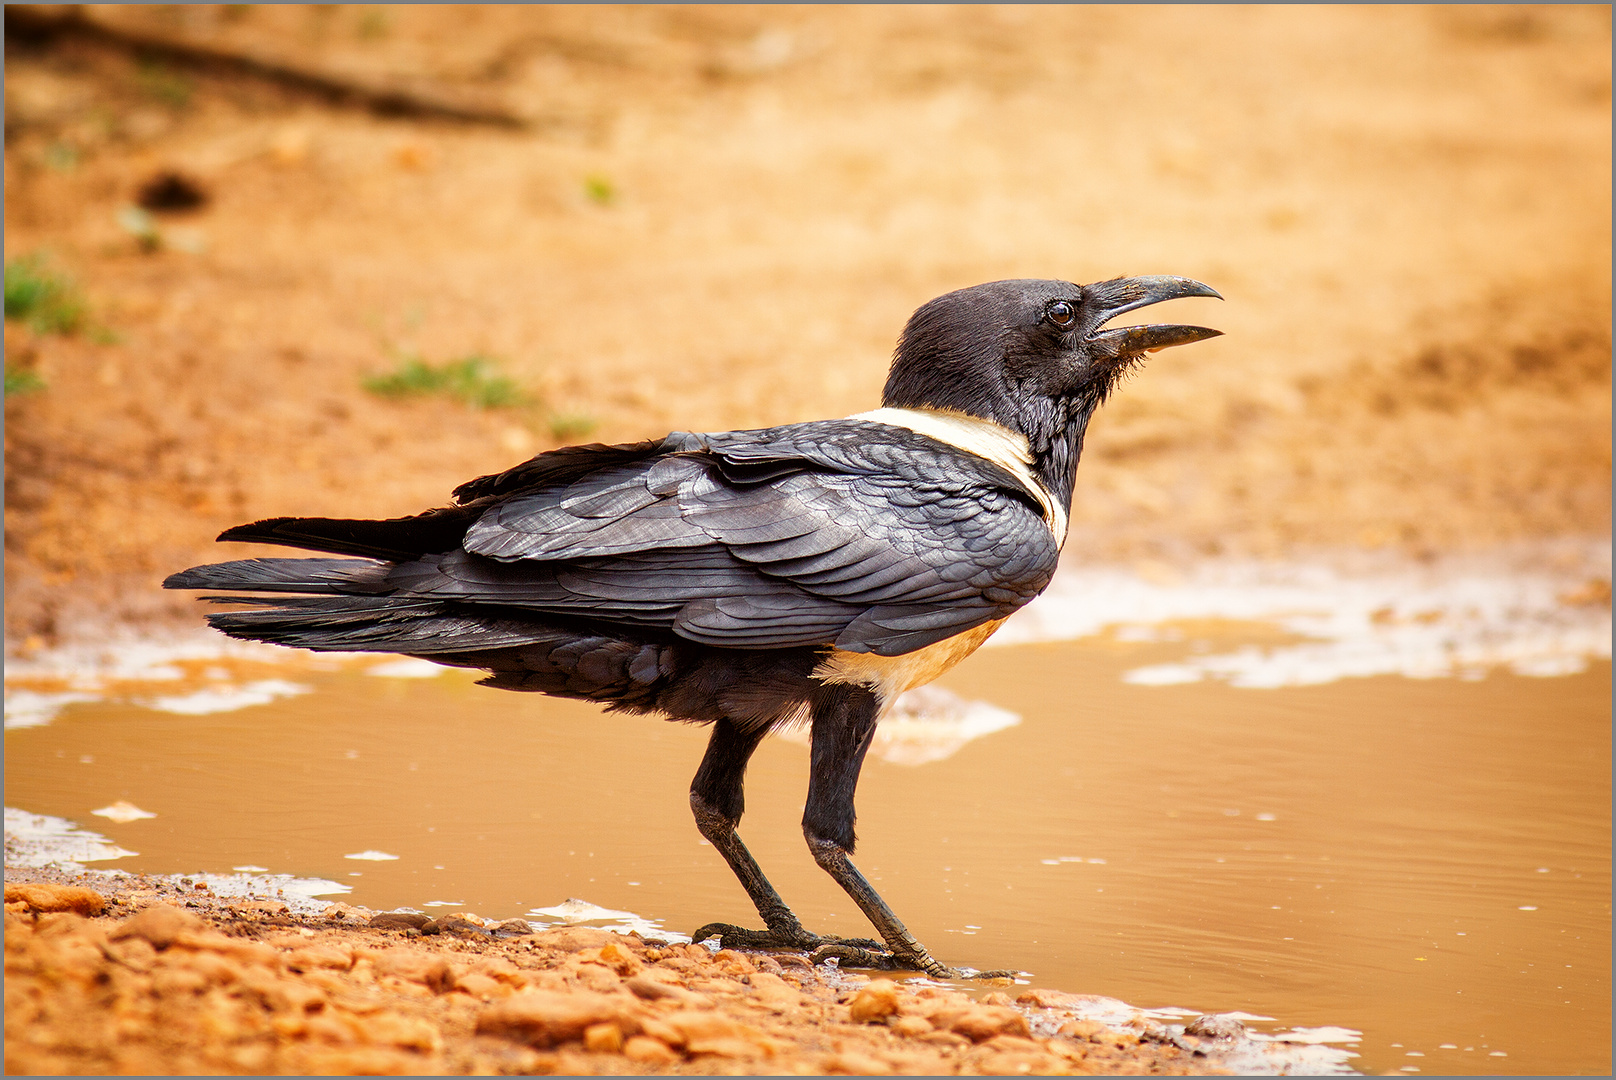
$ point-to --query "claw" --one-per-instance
(847, 952)
(739, 937)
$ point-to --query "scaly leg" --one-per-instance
(717, 800)
(844, 719)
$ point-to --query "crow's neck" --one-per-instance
(1055, 433)
(1040, 440)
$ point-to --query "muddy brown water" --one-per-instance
(1426, 862)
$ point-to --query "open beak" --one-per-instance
(1108, 299)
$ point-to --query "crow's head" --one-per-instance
(1028, 354)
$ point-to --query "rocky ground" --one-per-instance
(127, 974)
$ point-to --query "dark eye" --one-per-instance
(1062, 314)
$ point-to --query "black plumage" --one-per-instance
(747, 579)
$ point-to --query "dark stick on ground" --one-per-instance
(42, 23)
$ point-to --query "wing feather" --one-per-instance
(847, 532)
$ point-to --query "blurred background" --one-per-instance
(335, 260)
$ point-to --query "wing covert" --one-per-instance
(811, 534)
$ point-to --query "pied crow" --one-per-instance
(749, 579)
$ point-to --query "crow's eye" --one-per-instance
(1062, 314)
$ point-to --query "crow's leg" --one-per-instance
(844, 718)
(717, 801)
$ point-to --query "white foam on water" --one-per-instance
(575, 912)
(123, 812)
(94, 667)
(1540, 611)
(32, 708)
(226, 698)
(41, 840)
(278, 886)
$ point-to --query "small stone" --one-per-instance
(40, 896)
(512, 927)
(603, 1038)
(1015, 1044)
(715, 1034)
(649, 1051)
(985, 1021)
(399, 920)
(159, 924)
(998, 997)
(909, 1026)
(544, 1019)
(431, 971)
(651, 987)
(1215, 1026)
(1087, 1030)
(773, 991)
(739, 963)
(453, 924)
(576, 938)
(874, 1003)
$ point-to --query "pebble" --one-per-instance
(160, 924)
(44, 897)
(544, 1018)
(874, 1003)
(453, 924)
(1215, 1026)
(648, 1051)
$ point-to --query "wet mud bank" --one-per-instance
(118, 973)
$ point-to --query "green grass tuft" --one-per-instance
(22, 381)
(473, 380)
(46, 301)
(573, 425)
(600, 190)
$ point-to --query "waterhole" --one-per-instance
(1424, 863)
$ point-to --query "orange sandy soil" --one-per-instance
(141, 976)
(1407, 208)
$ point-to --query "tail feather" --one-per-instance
(411, 625)
(285, 575)
(352, 609)
(393, 538)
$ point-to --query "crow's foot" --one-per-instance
(885, 959)
(847, 952)
(738, 937)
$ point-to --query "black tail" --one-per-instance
(393, 538)
(285, 575)
(352, 609)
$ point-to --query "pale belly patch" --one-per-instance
(890, 676)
